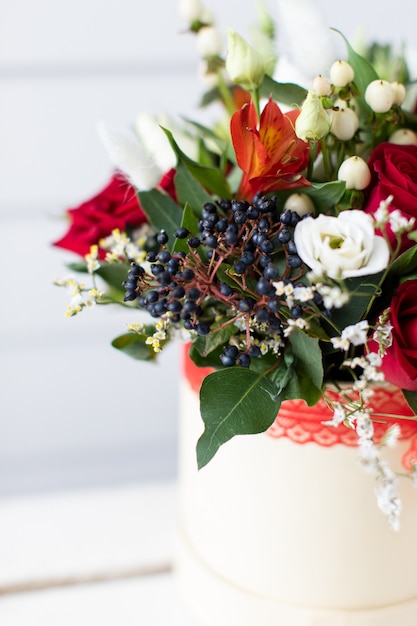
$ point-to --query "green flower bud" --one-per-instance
(313, 122)
(243, 64)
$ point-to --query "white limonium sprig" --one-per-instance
(82, 297)
(91, 258)
(354, 334)
(120, 247)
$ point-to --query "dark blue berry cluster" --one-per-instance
(238, 251)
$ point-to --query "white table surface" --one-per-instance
(94, 557)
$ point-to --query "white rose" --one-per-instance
(341, 247)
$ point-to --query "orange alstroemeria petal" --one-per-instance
(272, 156)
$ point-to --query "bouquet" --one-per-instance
(280, 241)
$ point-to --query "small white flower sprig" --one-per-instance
(353, 409)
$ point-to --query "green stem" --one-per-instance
(255, 98)
(326, 160)
(225, 93)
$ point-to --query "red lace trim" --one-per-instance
(304, 424)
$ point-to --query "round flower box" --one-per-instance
(283, 527)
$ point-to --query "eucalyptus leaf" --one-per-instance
(233, 401)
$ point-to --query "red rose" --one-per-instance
(394, 172)
(116, 206)
(400, 361)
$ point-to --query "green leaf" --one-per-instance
(307, 351)
(78, 266)
(324, 195)
(113, 274)
(287, 93)
(365, 72)
(214, 339)
(411, 399)
(161, 210)
(189, 222)
(233, 402)
(296, 378)
(405, 263)
(134, 345)
(189, 190)
(212, 359)
(212, 178)
(363, 289)
(220, 142)
(281, 376)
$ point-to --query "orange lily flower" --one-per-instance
(271, 157)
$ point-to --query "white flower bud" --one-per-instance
(209, 79)
(301, 203)
(190, 10)
(399, 92)
(379, 95)
(404, 137)
(355, 172)
(243, 64)
(321, 86)
(344, 123)
(341, 73)
(207, 17)
(209, 41)
(312, 123)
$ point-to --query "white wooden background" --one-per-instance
(74, 412)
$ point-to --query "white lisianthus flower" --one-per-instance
(313, 123)
(244, 65)
(341, 247)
